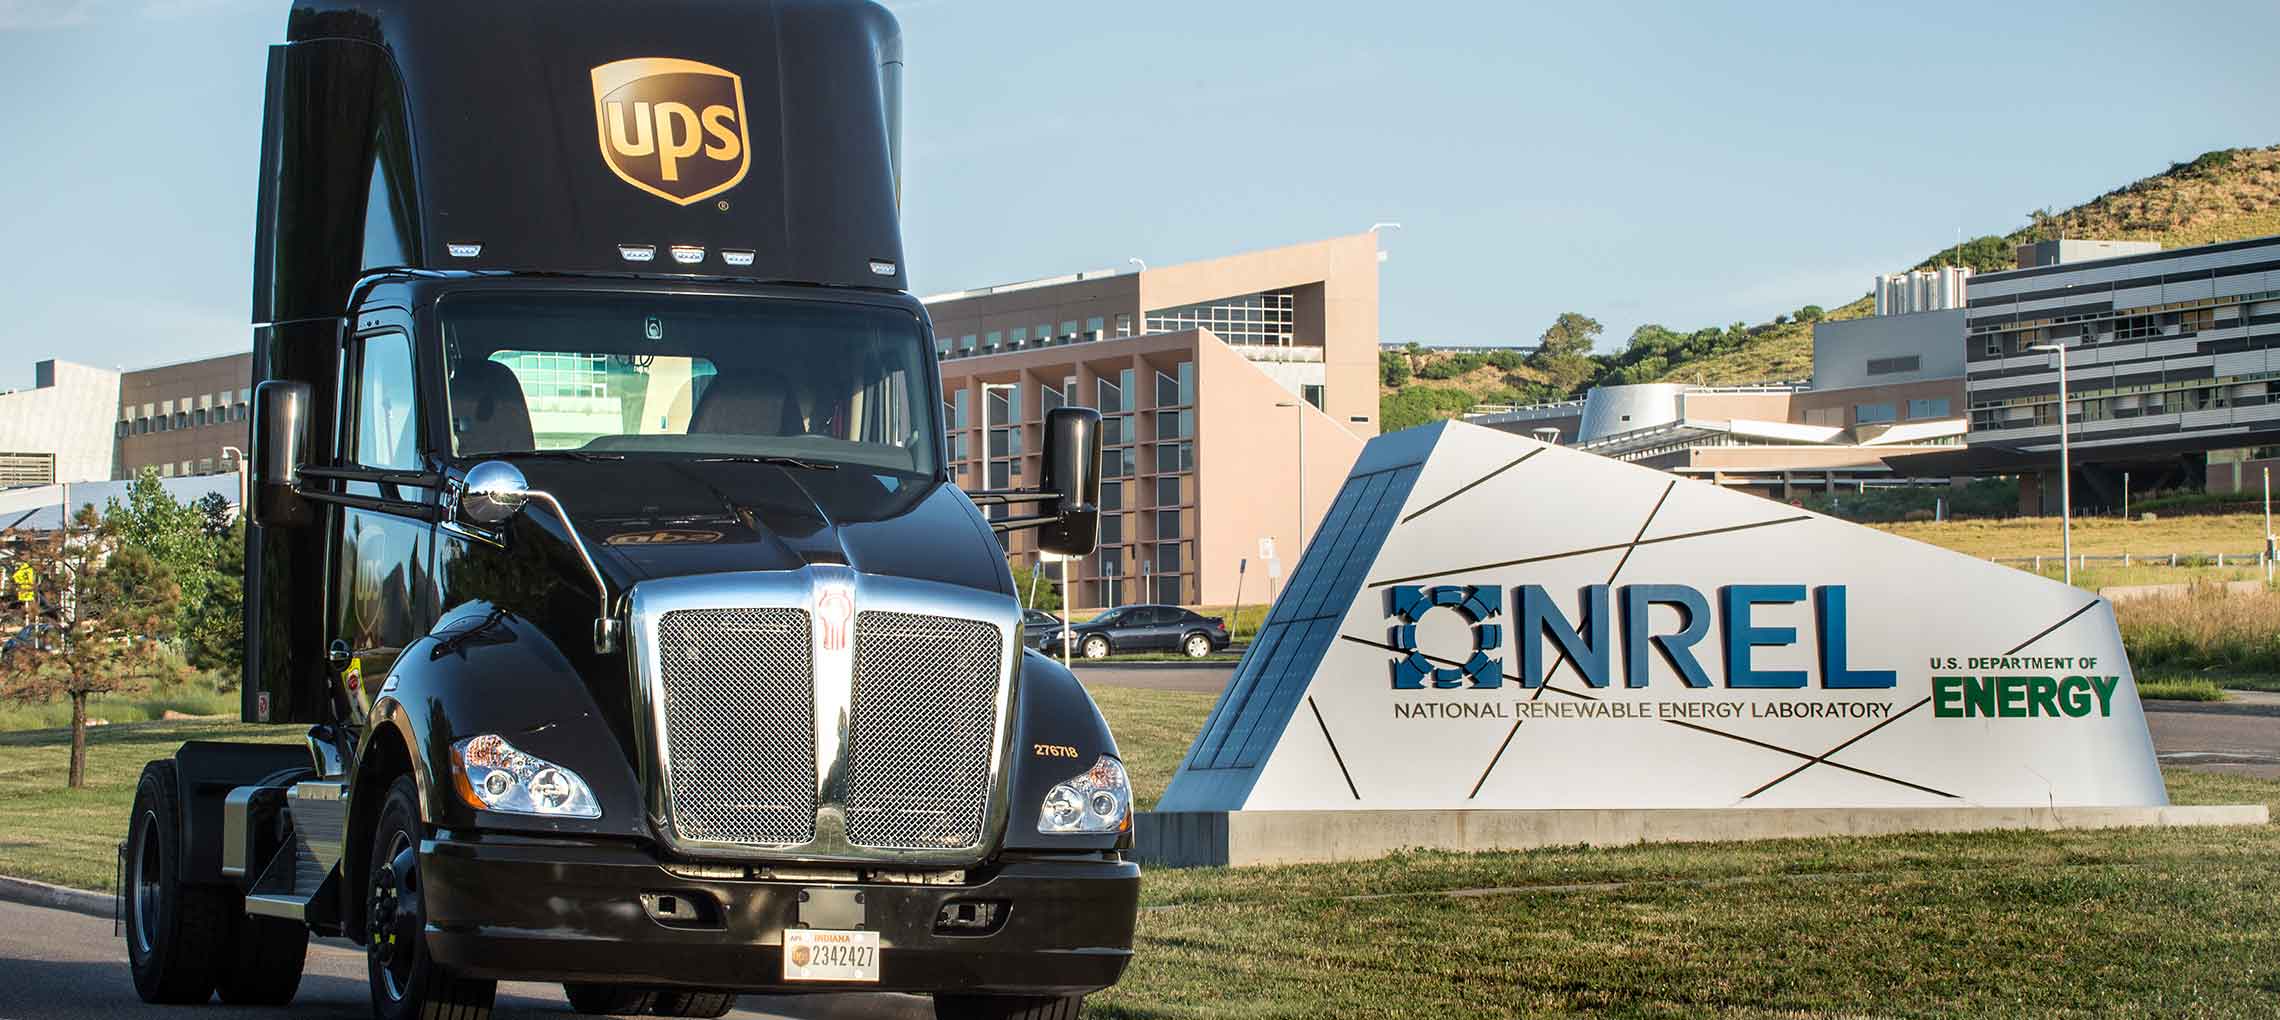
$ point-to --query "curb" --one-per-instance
(55, 897)
(1079, 667)
(2212, 707)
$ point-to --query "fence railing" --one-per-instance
(2082, 562)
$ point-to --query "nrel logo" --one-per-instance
(1590, 638)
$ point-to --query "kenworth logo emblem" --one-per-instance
(673, 128)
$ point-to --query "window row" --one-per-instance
(199, 418)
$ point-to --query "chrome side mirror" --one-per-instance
(280, 449)
(1072, 475)
(495, 492)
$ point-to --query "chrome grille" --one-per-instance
(739, 708)
(920, 730)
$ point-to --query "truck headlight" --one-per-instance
(1098, 800)
(493, 775)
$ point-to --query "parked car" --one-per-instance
(1038, 627)
(1149, 629)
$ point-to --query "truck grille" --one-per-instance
(920, 730)
(738, 692)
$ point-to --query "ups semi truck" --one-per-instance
(603, 548)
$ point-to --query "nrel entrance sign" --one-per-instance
(1488, 623)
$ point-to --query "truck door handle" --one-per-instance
(337, 656)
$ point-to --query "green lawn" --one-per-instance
(2133, 923)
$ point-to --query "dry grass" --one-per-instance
(2093, 536)
(2205, 631)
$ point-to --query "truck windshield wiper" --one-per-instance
(778, 460)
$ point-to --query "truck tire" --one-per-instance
(406, 983)
(1006, 1007)
(609, 1000)
(175, 932)
(263, 966)
(697, 1004)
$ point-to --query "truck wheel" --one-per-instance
(698, 1004)
(1196, 646)
(1096, 647)
(1006, 1007)
(264, 963)
(609, 1000)
(406, 984)
(175, 932)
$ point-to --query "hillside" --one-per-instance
(2226, 195)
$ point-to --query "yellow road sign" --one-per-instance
(25, 576)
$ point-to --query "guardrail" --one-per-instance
(2082, 562)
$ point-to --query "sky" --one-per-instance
(1686, 164)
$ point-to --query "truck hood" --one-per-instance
(654, 517)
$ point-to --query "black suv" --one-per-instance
(1148, 629)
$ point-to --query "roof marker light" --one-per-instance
(882, 267)
(464, 251)
(638, 252)
(688, 254)
(736, 258)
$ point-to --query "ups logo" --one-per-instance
(673, 128)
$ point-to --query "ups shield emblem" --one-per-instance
(673, 128)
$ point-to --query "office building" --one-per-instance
(187, 418)
(58, 430)
(1205, 374)
(2170, 357)
(1883, 390)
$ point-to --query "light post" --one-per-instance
(1300, 419)
(237, 457)
(2065, 471)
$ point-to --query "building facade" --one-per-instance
(57, 431)
(1203, 473)
(2170, 355)
(184, 419)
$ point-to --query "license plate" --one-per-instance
(812, 954)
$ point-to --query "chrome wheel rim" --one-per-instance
(148, 891)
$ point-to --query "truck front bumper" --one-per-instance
(531, 911)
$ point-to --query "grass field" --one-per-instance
(2138, 923)
(2178, 688)
(189, 699)
(2093, 536)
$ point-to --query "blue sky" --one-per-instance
(1682, 163)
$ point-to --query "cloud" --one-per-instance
(35, 15)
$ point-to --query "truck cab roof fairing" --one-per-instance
(479, 136)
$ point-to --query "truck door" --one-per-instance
(381, 595)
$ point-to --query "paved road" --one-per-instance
(1209, 679)
(61, 966)
(2196, 736)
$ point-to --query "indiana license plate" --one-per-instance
(813, 954)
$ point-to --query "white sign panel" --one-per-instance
(1489, 622)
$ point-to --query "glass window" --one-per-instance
(1044, 331)
(1264, 318)
(1069, 329)
(1021, 335)
(1167, 492)
(993, 339)
(1111, 529)
(1167, 390)
(385, 401)
(1112, 495)
(1095, 327)
(1935, 407)
(1312, 392)
(1111, 396)
(1124, 324)
(1872, 414)
(685, 374)
(1168, 524)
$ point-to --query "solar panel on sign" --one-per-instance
(1265, 691)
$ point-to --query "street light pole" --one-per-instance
(2065, 465)
(1299, 410)
(237, 457)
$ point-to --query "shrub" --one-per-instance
(1393, 368)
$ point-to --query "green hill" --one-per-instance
(2226, 195)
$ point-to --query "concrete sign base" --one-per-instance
(1224, 838)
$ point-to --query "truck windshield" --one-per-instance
(633, 375)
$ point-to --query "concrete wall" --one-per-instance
(68, 414)
(1843, 349)
(1248, 473)
(1608, 410)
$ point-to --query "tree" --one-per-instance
(1393, 368)
(1040, 581)
(213, 636)
(180, 537)
(1810, 313)
(1563, 355)
(104, 602)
